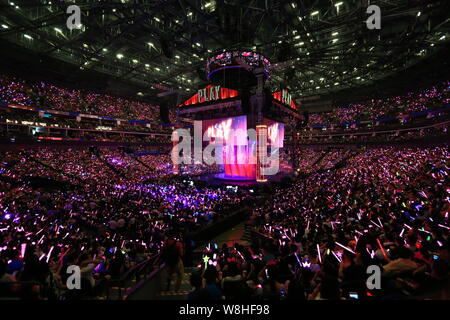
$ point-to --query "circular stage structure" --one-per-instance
(234, 69)
(238, 118)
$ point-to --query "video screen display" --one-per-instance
(275, 132)
(233, 131)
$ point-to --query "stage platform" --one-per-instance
(223, 176)
(222, 179)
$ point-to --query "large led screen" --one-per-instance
(275, 132)
(238, 152)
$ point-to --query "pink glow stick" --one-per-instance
(41, 239)
(375, 223)
(23, 247)
(381, 225)
(344, 247)
(335, 255)
(318, 253)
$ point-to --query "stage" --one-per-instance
(238, 125)
(221, 179)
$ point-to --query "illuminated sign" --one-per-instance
(285, 97)
(210, 93)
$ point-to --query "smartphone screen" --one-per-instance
(353, 295)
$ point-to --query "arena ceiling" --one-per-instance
(317, 47)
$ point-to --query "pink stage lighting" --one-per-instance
(238, 152)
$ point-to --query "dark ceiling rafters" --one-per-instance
(283, 30)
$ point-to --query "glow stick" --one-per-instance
(49, 254)
(205, 260)
(318, 253)
(442, 226)
(337, 258)
(23, 247)
(381, 225)
(382, 249)
(298, 259)
(41, 239)
(401, 233)
(285, 233)
(344, 247)
(375, 223)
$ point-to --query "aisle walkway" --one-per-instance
(230, 237)
(184, 289)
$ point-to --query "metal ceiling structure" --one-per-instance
(316, 46)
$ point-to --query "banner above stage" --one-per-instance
(210, 93)
(285, 97)
(213, 93)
